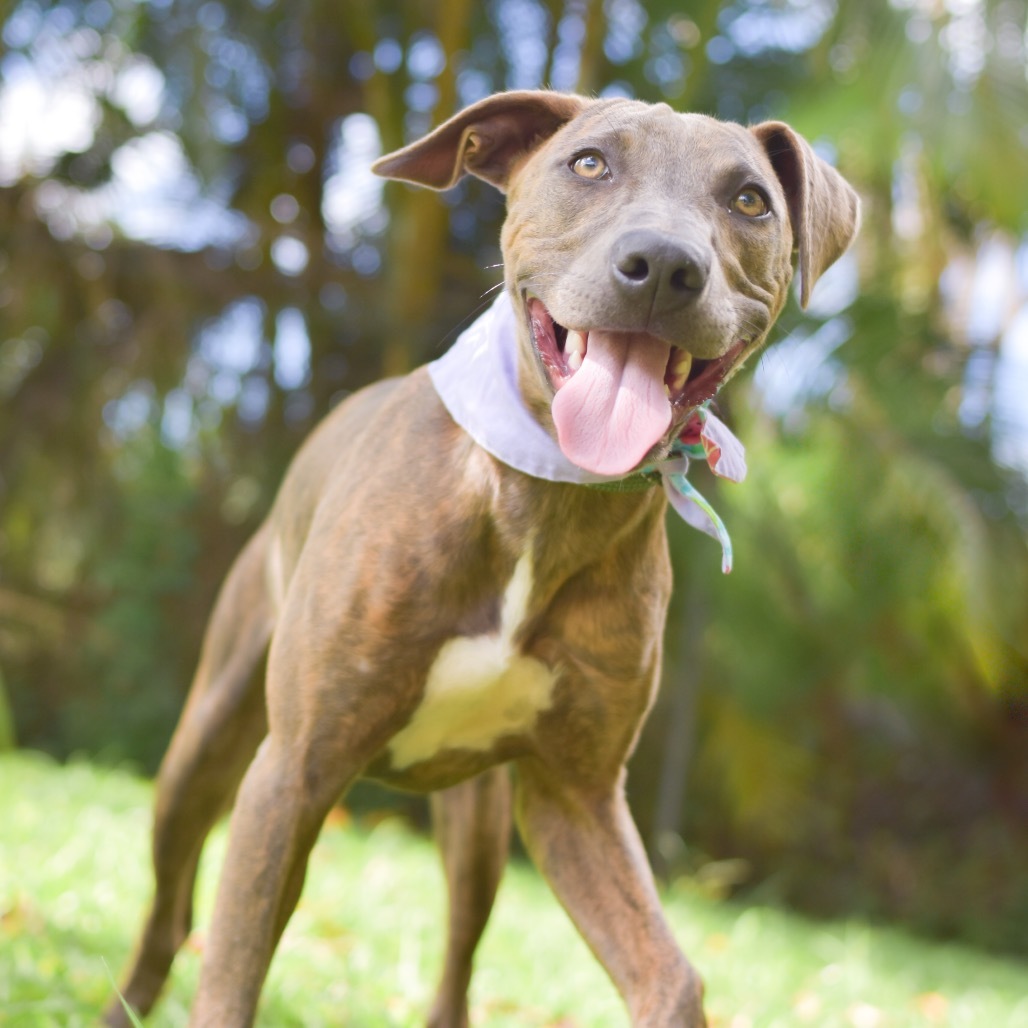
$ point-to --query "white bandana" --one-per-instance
(477, 380)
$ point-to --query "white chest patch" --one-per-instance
(479, 688)
(275, 573)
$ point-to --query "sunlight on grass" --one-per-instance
(365, 944)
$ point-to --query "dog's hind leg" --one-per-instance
(472, 825)
(220, 729)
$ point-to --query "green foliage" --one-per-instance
(852, 699)
(145, 580)
(365, 943)
(6, 719)
(866, 680)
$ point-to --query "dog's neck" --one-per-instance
(477, 380)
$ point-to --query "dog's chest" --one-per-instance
(479, 688)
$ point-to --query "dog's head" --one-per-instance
(648, 252)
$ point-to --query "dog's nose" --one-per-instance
(665, 272)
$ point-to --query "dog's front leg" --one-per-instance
(583, 840)
(316, 746)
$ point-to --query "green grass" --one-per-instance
(364, 946)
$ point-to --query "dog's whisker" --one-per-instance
(447, 339)
(493, 288)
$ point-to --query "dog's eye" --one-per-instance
(750, 203)
(590, 165)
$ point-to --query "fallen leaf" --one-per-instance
(338, 817)
(863, 1015)
(807, 1005)
(933, 1006)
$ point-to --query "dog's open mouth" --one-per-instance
(618, 394)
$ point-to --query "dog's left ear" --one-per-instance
(486, 139)
(823, 208)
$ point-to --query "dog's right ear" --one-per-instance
(486, 139)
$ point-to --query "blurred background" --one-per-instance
(195, 265)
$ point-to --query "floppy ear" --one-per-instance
(823, 208)
(485, 139)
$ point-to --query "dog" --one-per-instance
(467, 567)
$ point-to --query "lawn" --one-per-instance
(364, 946)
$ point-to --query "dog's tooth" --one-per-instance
(575, 359)
(683, 365)
(667, 390)
(678, 382)
(575, 344)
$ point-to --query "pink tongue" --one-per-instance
(613, 410)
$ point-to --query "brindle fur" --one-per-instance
(394, 533)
